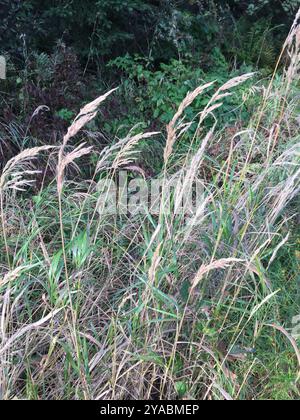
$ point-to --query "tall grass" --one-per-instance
(145, 307)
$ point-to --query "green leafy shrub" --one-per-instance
(110, 28)
(158, 93)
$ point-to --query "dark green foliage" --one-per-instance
(153, 95)
(61, 53)
(94, 28)
(124, 282)
(275, 9)
(99, 30)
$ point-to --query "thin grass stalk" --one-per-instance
(86, 114)
(288, 44)
(4, 230)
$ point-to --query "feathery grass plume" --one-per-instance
(172, 128)
(236, 81)
(19, 166)
(216, 265)
(277, 198)
(103, 162)
(37, 111)
(291, 47)
(284, 191)
(284, 194)
(292, 72)
(222, 93)
(123, 150)
(86, 114)
(293, 40)
(70, 159)
(213, 104)
(126, 155)
(12, 178)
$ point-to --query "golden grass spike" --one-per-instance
(67, 160)
(236, 81)
(171, 127)
(19, 160)
(86, 114)
(205, 269)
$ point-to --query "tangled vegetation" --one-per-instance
(200, 304)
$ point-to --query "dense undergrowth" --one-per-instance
(152, 304)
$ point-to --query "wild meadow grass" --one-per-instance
(147, 306)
